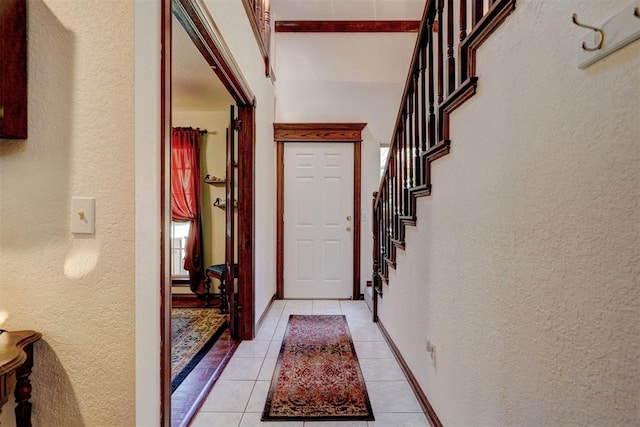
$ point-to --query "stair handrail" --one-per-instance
(435, 86)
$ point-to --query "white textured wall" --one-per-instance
(77, 290)
(147, 211)
(355, 77)
(524, 265)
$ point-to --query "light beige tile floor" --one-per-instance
(238, 398)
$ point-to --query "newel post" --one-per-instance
(375, 278)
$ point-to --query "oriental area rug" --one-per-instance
(193, 333)
(317, 375)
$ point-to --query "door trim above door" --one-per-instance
(318, 132)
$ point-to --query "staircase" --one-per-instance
(442, 76)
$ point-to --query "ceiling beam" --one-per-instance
(347, 26)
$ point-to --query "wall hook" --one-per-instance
(598, 31)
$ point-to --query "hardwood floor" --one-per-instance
(191, 393)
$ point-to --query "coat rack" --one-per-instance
(614, 34)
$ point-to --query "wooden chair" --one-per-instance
(217, 272)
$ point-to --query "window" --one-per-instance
(179, 233)
(384, 152)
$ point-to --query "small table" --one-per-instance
(217, 272)
(16, 361)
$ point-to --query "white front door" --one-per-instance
(318, 212)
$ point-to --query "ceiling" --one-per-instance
(194, 84)
(196, 87)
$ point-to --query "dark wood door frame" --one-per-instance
(246, 223)
(318, 132)
(209, 42)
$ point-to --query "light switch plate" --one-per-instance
(83, 214)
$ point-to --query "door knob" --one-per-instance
(348, 217)
(348, 228)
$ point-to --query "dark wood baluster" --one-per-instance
(401, 167)
(464, 60)
(451, 62)
(389, 225)
(397, 185)
(397, 193)
(418, 115)
(463, 20)
(383, 221)
(391, 196)
(403, 164)
(382, 237)
(477, 11)
(382, 234)
(408, 170)
(261, 13)
(267, 27)
(432, 83)
(440, 50)
(375, 221)
(410, 141)
(404, 176)
(406, 156)
(375, 278)
(423, 93)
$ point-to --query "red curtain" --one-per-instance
(185, 198)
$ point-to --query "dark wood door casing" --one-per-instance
(13, 69)
(318, 132)
(229, 234)
(246, 222)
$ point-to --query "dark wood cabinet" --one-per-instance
(13, 69)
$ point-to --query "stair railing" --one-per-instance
(259, 15)
(442, 76)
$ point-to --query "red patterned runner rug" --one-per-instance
(317, 376)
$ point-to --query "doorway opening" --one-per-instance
(222, 112)
(350, 133)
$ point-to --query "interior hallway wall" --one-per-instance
(524, 265)
(75, 289)
(231, 18)
(147, 58)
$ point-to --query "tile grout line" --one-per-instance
(283, 317)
